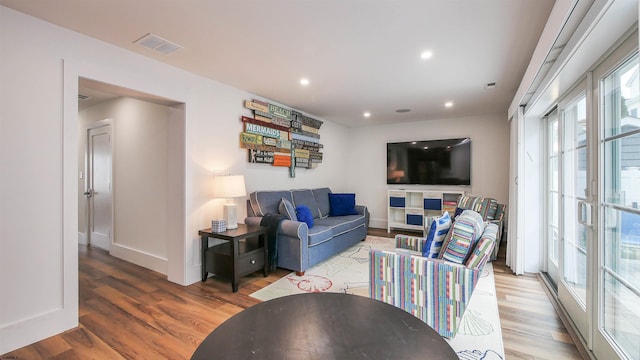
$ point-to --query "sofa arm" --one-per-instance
(253, 220)
(289, 228)
(437, 292)
(408, 242)
(500, 224)
(362, 210)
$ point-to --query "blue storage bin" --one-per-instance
(432, 204)
(414, 219)
(397, 202)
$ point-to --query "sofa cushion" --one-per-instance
(305, 197)
(322, 198)
(462, 236)
(484, 248)
(342, 204)
(493, 210)
(438, 229)
(320, 234)
(342, 224)
(304, 215)
(268, 202)
(286, 208)
(485, 206)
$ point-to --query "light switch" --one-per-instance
(81, 175)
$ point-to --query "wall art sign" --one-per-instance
(279, 136)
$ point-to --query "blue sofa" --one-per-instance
(299, 247)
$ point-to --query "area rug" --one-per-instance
(479, 335)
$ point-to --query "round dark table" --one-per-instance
(324, 326)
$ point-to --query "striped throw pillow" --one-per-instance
(483, 249)
(464, 233)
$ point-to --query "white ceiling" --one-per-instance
(359, 55)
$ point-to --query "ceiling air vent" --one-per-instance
(156, 43)
(490, 86)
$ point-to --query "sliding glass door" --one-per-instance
(575, 162)
(619, 264)
(593, 204)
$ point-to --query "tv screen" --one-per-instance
(430, 162)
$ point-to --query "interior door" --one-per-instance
(575, 210)
(99, 190)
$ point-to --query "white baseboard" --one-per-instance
(40, 326)
(82, 239)
(138, 257)
(378, 223)
(194, 274)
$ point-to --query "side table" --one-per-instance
(235, 252)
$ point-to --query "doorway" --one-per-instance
(143, 173)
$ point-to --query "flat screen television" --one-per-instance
(429, 162)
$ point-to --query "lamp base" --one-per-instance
(230, 213)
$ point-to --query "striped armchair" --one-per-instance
(434, 290)
(490, 211)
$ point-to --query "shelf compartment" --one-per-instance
(414, 199)
(396, 215)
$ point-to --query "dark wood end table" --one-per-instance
(235, 252)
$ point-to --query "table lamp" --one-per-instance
(229, 187)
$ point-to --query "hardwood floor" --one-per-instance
(531, 328)
(128, 312)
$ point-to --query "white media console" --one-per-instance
(408, 209)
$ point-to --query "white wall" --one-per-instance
(140, 178)
(39, 70)
(489, 158)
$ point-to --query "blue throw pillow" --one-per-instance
(342, 204)
(438, 230)
(304, 214)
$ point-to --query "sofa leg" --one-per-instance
(299, 273)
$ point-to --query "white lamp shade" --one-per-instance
(229, 186)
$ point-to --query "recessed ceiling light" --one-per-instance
(427, 54)
(367, 114)
(304, 81)
(403, 110)
(448, 104)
